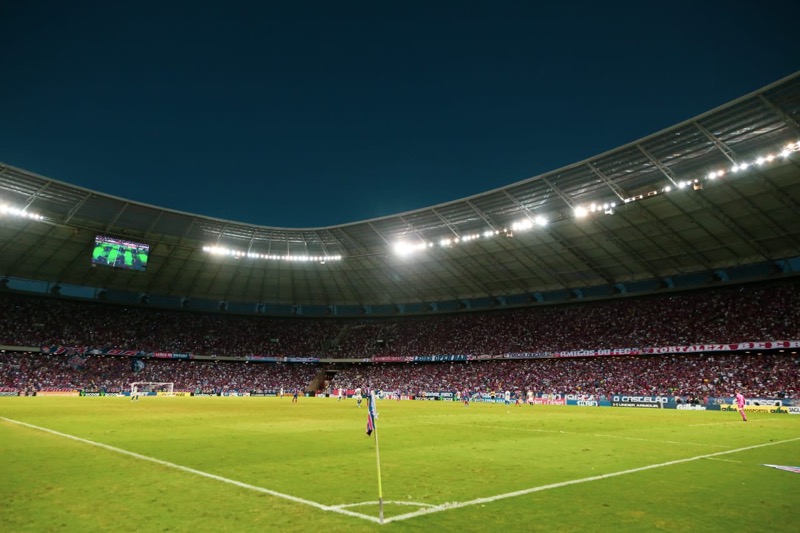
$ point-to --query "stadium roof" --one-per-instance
(682, 204)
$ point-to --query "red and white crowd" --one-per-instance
(765, 312)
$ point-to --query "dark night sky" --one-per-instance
(338, 112)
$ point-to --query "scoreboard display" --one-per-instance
(120, 253)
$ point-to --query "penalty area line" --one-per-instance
(295, 499)
(490, 499)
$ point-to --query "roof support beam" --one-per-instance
(721, 146)
(35, 195)
(616, 189)
(660, 166)
(778, 111)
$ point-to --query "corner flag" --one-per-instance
(372, 414)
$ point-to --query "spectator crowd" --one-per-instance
(765, 312)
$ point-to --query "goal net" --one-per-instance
(143, 388)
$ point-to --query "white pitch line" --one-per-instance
(592, 435)
(401, 502)
(334, 509)
(718, 459)
(421, 512)
(458, 505)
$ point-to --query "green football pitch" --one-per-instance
(265, 464)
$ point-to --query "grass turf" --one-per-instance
(315, 456)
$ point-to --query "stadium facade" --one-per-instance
(712, 200)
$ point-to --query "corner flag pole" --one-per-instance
(373, 412)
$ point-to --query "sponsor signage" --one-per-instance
(268, 359)
(655, 350)
(549, 401)
(734, 347)
(573, 353)
(755, 408)
(170, 355)
(392, 359)
(644, 405)
(645, 402)
(436, 395)
(640, 399)
(583, 403)
(439, 358)
(760, 401)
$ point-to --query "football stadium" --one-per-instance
(563, 353)
(562, 293)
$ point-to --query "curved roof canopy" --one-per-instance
(700, 196)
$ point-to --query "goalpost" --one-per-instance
(145, 387)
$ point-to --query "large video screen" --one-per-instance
(120, 253)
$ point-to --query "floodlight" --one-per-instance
(580, 212)
(522, 225)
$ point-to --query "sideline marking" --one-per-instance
(458, 505)
(295, 499)
(401, 502)
(421, 512)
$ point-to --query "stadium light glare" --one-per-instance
(7, 209)
(238, 254)
(522, 225)
(608, 208)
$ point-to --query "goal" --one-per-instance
(146, 387)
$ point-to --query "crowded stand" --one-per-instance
(34, 372)
(755, 313)
(736, 314)
(687, 376)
